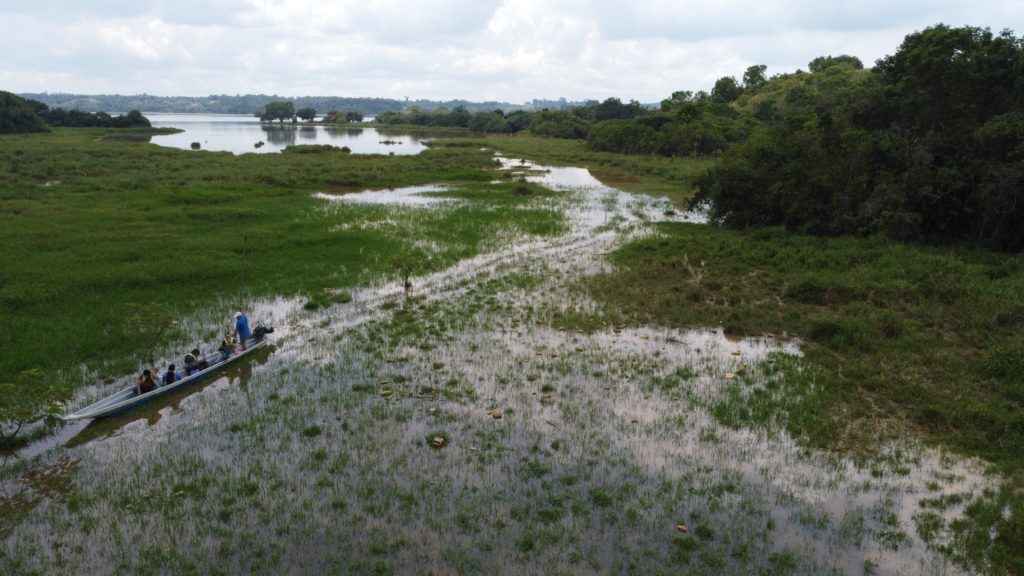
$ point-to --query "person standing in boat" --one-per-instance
(194, 362)
(145, 382)
(242, 327)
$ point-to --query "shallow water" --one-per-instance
(317, 458)
(408, 196)
(240, 134)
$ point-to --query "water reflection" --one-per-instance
(152, 412)
(241, 134)
(408, 196)
(278, 135)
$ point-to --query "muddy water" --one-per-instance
(564, 451)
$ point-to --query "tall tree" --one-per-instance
(726, 90)
(754, 76)
(280, 110)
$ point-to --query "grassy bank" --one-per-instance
(92, 226)
(899, 340)
(656, 176)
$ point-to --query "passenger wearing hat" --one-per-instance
(145, 383)
(242, 327)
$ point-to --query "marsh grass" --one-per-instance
(303, 465)
(100, 226)
(901, 340)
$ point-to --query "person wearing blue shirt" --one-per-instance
(242, 327)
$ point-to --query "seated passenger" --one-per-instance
(169, 376)
(145, 383)
(227, 345)
(194, 362)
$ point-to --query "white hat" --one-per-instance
(238, 314)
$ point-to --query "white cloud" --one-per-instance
(510, 50)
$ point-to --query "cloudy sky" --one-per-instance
(505, 50)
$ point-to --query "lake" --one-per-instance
(239, 134)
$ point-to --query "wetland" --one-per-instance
(592, 419)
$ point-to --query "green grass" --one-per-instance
(283, 462)
(928, 336)
(899, 340)
(91, 226)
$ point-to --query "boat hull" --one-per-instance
(126, 399)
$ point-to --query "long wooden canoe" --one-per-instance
(126, 398)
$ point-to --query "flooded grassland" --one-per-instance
(455, 427)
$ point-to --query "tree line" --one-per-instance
(20, 115)
(251, 103)
(928, 145)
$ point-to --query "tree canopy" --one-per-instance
(929, 145)
(279, 110)
(18, 115)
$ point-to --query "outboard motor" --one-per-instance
(260, 331)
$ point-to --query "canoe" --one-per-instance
(126, 398)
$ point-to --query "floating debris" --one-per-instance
(496, 414)
(437, 442)
(682, 527)
(729, 375)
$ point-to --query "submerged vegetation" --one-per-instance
(539, 374)
(926, 338)
(115, 224)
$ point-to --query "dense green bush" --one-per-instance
(927, 146)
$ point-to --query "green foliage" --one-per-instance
(754, 76)
(493, 122)
(30, 397)
(408, 263)
(558, 124)
(336, 117)
(18, 115)
(307, 114)
(279, 110)
(926, 146)
(78, 119)
(622, 137)
(726, 90)
(689, 128)
(822, 63)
